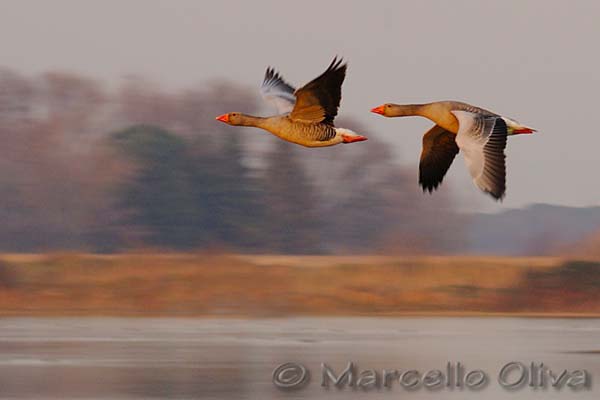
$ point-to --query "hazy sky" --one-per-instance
(535, 61)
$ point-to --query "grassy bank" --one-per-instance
(237, 285)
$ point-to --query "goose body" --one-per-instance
(479, 133)
(307, 114)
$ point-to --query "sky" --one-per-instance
(534, 61)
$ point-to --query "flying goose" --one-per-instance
(479, 133)
(307, 114)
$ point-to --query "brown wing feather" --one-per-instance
(318, 100)
(439, 150)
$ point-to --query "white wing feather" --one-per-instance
(482, 140)
(278, 92)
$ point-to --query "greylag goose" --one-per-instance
(479, 133)
(307, 114)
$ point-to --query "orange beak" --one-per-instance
(378, 110)
(353, 138)
(223, 118)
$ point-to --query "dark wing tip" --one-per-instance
(498, 195)
(427, 180)
(273, 77)
(336, 64)
(268, 74)
(498, 192)
(272, 74)
(429, 186)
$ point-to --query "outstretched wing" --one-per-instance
(278, 92)
(439, 150)
(482, 140)
(318, 100)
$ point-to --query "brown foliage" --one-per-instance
(216, 284)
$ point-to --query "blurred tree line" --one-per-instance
(88, 168)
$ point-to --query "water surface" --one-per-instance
(135, 358)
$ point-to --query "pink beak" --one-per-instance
(223, 118)
(378, 110)
(352, 138)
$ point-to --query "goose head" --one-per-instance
(384, 109)
(233, 118)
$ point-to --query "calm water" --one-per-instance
(118, 358)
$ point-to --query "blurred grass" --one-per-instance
(208, 284)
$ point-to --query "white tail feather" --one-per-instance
(344, 131)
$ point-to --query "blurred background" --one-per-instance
(123, 197)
